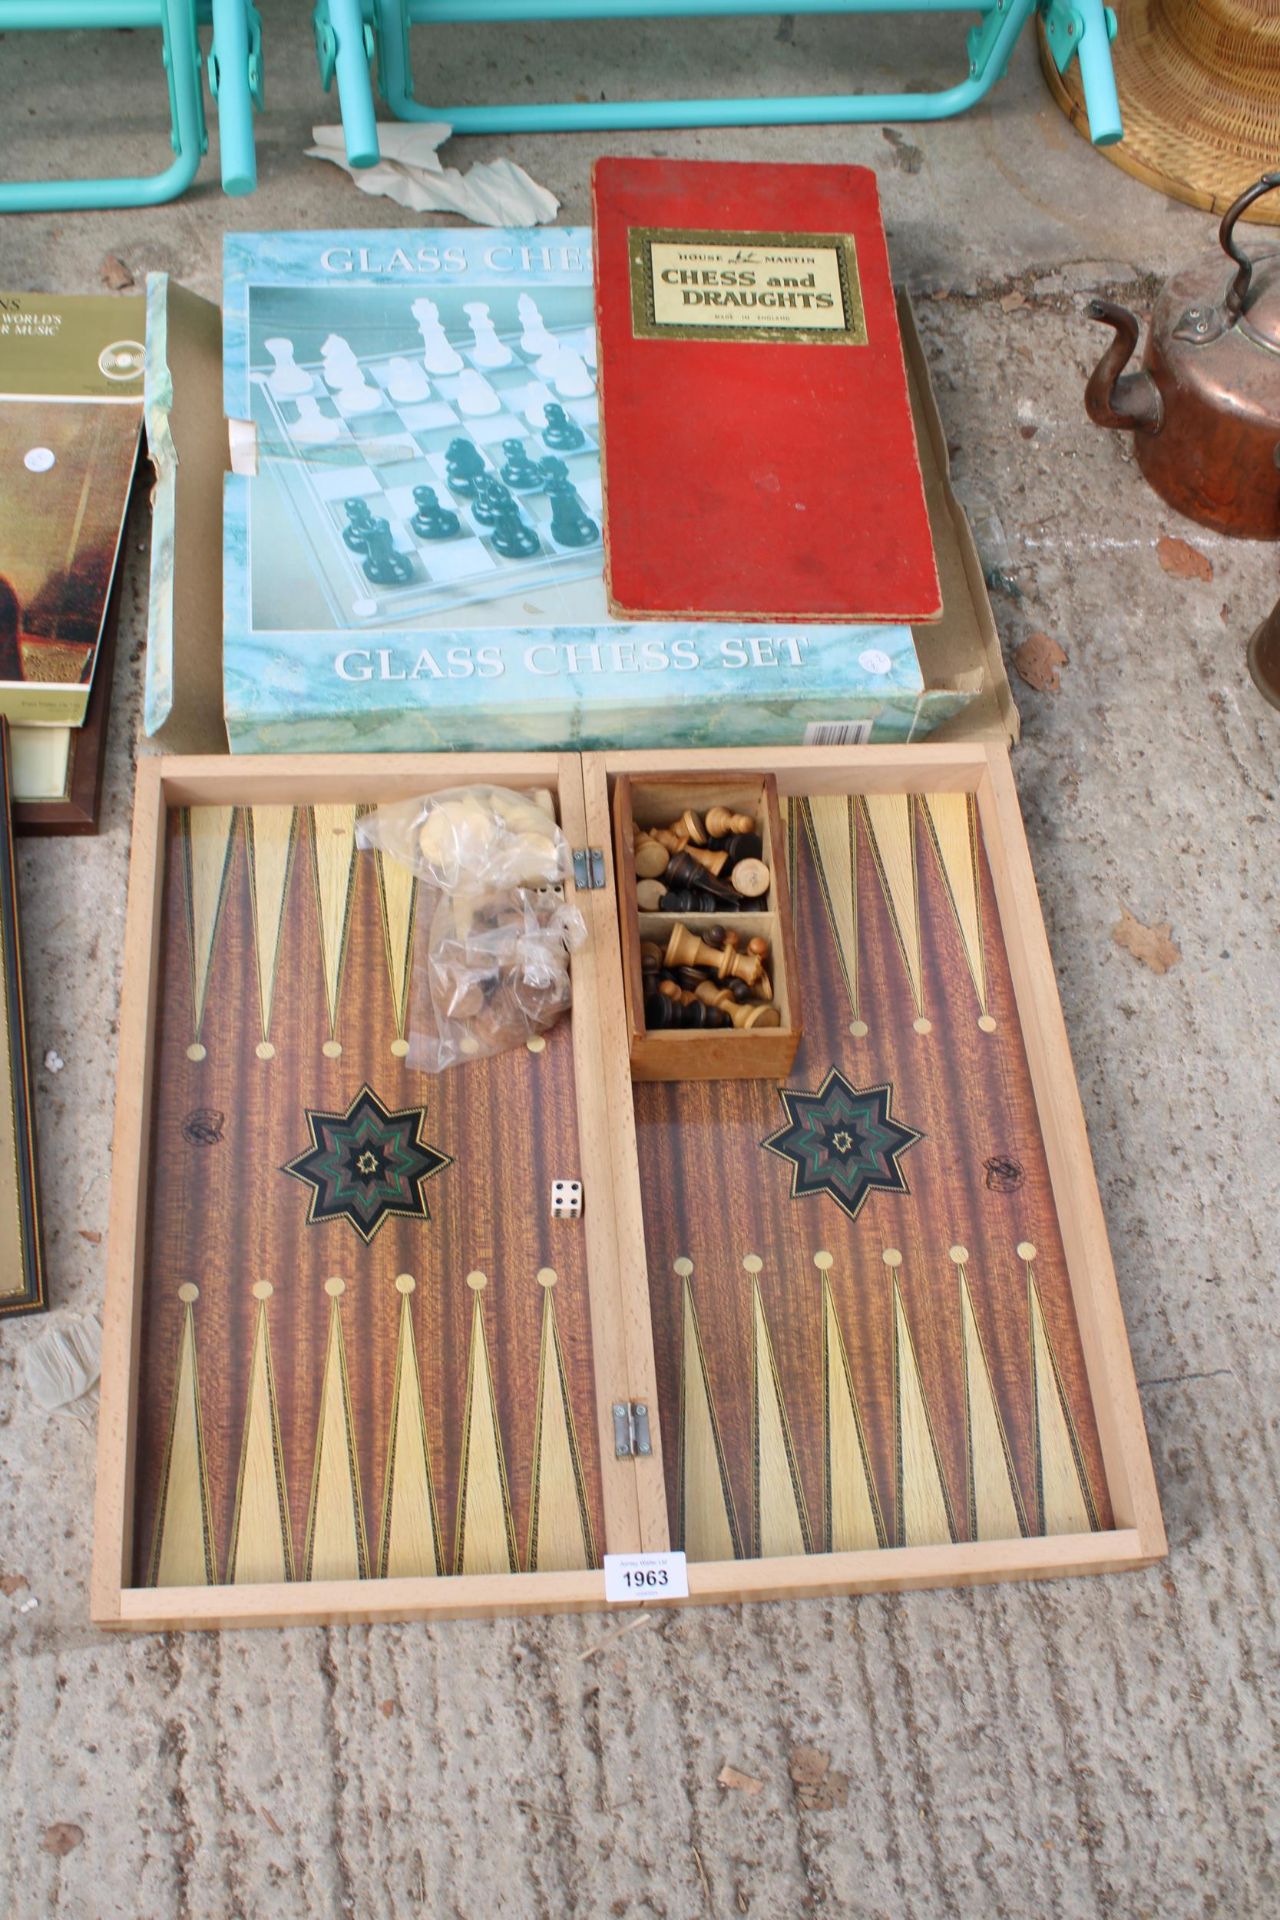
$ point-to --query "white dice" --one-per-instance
(566, 1199)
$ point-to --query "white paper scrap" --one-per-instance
(492, 193)
(63, 1365)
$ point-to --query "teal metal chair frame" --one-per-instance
(350, 34)
(235, 81)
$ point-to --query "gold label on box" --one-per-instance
(800, 287)
(75, 346)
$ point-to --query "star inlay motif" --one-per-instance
(367, 1165)
(842, 1141)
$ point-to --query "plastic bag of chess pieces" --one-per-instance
(493, 931)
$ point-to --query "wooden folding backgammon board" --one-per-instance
(846, 1327)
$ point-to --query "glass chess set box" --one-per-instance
(413, 523)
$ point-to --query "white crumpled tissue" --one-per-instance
(493, 193)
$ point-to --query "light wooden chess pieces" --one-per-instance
(650, 857)
(743, 1014)
(685, 949)
(750, 878)
(719, 822)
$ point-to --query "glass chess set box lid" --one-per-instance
(414, 551)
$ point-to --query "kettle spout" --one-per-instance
(1114, 398)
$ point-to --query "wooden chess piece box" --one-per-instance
(646, 811)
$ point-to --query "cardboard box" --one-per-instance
(952, 680)
(70, 425)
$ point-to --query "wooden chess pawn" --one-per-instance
(685, 949)
(743, 846)
(719, 821)
(650, 957)
(651, 857)
(750, 878)
(668, 838)
(744, 1016)
(650, 895)
(757, 948)
(691, 826)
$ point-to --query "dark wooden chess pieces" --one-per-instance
(559, 430)
(432, 521)
(705, 871)
(692, 983)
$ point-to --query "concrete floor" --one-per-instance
(1102, 1747)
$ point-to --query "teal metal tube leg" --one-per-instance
(432, 12)
(598, 116)
(229, 59)
(71, 16)
(1097, 75)
(182, 53)
(355, 87)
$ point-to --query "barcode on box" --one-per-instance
(838, 733)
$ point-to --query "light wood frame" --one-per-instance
(634, 1492)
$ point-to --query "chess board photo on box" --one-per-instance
(414, 550)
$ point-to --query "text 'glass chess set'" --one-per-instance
(418, 561)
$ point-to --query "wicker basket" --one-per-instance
(1199, 85)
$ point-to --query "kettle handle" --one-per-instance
(1233, 305)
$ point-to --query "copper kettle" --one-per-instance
(1205, 409)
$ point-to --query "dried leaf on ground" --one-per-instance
(114, 273)
(1037, 661)
(1152, 945)
(61, 1838)
(819, 1788)
(90, 1234)
(1010, 301)
(11, 1583)
(740, 1782)
(1182, 560)
(387, 1707)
